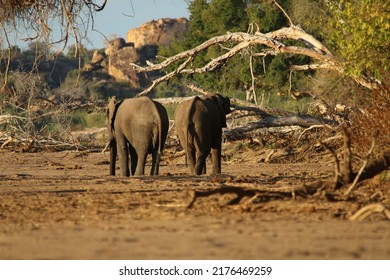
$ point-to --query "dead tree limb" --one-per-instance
(254, 191)
(274, 121)
(274, 43)
(361, 170)
(337, 172)
(368, 210)
(346, 167)
(374, 167)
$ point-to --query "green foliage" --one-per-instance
(104, 90)
(267, 15)
(361, 35)
(171, 108)
(171, 89)
(224, 15)
(80, 53)
(82, 119)
(217, 17)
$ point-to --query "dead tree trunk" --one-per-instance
(374, 167)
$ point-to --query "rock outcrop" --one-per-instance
(119, 67)
(117, 44)
(160, 32)
(98, 61)
(141, 44)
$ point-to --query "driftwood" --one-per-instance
(273, 121)
(172, 100)
(254, 192)
(368, 210)
(375, 166)
(270, 120)
(344, 174)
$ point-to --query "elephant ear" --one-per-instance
(224, 107)
(110, 114)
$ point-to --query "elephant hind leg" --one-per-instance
(123, 155)
(200, 166)
(216, 160)
(140, 170)
(155, 162)
(113, 154)
(133, 159)
(191, 158)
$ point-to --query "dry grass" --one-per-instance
(374, 120)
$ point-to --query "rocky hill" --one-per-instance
(141, 44)
(159, 32)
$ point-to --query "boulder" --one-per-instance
(97, 62)
(97, 57)
(117, 44)
(119, 67)
(141, 44)
(161, 32)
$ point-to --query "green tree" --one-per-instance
(218, 17)
(225, 15)
(79, 52)
(361, 35)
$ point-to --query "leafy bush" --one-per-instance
(171, 108)
(81, 120)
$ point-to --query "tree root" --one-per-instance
(368, 210)
(344, 174)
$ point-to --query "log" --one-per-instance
(267, 119)
(4, 119)
(274, 121)
(375, 166)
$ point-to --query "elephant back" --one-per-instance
(162, 115)
(137, 116)
(141, 107)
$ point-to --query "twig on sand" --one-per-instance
(368, 210)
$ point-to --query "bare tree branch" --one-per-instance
(284, 12)
(273, 44)
(35, 19)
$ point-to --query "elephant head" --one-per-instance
(223, 105)
(110, 117)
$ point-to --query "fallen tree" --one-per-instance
(267, 119)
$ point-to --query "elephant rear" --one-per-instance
(198, 124)
(139, 127)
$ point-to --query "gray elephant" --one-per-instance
(136, 126)
(198, 124)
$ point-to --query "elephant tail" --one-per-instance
(190, 127)
(158, 149)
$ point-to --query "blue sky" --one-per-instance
(119, 16)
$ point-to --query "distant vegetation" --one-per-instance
(38, 80)
(356, 32)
